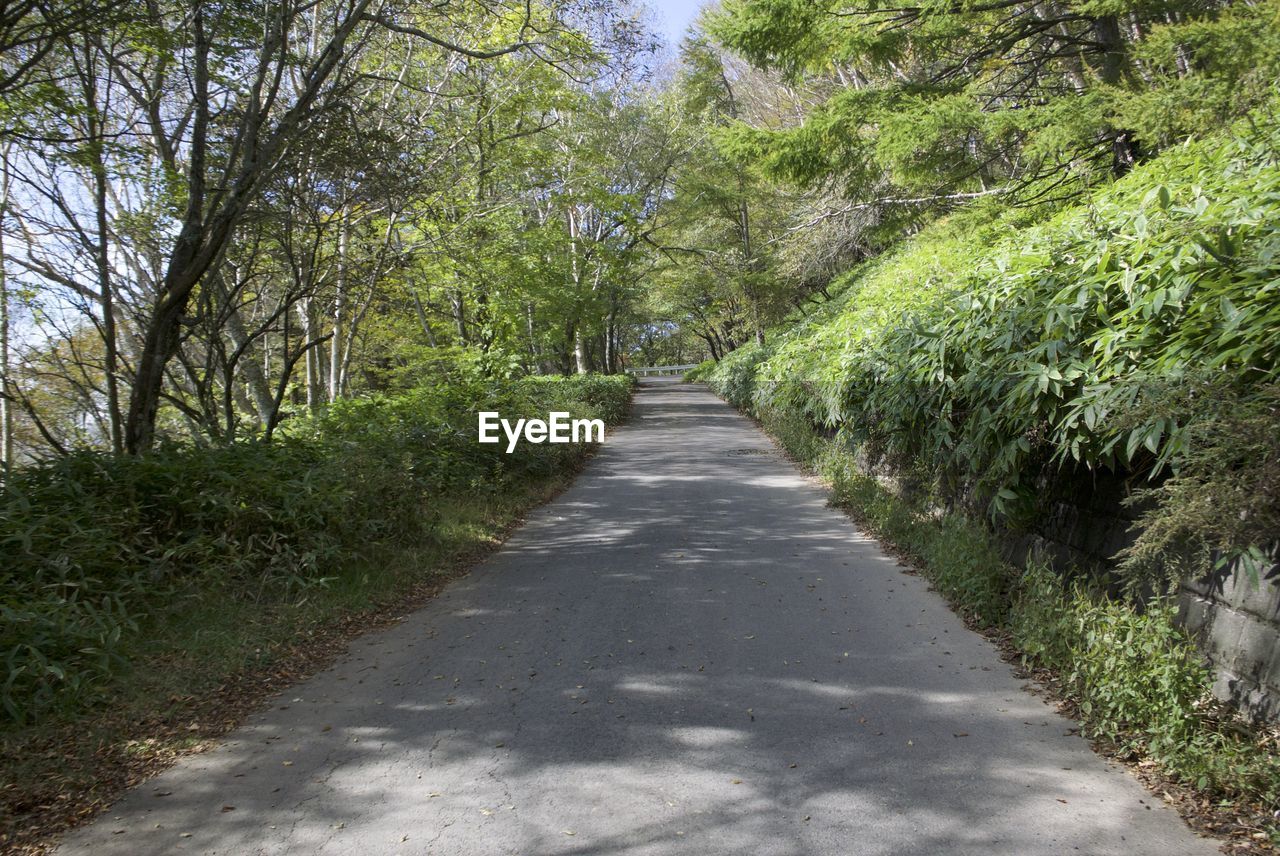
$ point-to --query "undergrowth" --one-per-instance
(1135, 333)
(984, 362)
(102, 550)
(1135, 678)
(210, 655)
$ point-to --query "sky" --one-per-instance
(674, 16)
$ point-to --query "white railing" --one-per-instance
(645, 371)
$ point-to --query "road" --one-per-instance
(687, 652)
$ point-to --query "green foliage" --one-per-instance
(1140, 683)
(1223, 500)
(735, 376)
(88, 536)
(1136, 679)
(700, 372)
(724, 281)
(993, 366)
(93, 541)
(1139, 332)
(942, 98)
(606, 397)
(1206, 70)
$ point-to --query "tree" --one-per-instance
(726, 221)
(928, 106)
(230, 153)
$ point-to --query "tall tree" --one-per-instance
(930, 105)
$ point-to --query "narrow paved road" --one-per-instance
(688, 652)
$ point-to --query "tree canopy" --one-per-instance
(216, 217)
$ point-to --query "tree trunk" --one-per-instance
(159, 344)
(1111, 67)
(422, 319)
(313, 368)
(459, 315)
(339, 305)
(534, 355)
(580, 363)
(106, 300)
(263, 401)
(190, 259)
(6, 412)
(610, 352)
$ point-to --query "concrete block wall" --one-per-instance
(1082, 522)
(1236, 620)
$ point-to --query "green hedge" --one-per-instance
(700, 372)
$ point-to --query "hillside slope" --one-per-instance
(986, 362)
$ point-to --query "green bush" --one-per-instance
(1137, 332)
(1091, 341)
(93, 541)
(1140, 683)
(1136, 678)
(606, 397)
(735, 376)
(89, 537)
(700, 372)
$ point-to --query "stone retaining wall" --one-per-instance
(1234, 617)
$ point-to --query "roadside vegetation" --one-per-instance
(101, 549)
(262, 263)
(1012, 251)
(948, 382)
(1134, 333)
(132, 586)
(1138, 685)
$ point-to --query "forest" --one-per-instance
(262, 261)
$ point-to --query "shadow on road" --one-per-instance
(688, 652)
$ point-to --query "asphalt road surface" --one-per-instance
(687, 652)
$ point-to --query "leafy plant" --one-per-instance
(1135, 677)
(992, 365)
(93, 542)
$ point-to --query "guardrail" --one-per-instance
(660, 370)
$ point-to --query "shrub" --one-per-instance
(734, 378)
(1081, 343)
(1136, 678)
(700, 372)
(1138, 332)
(94, 543)
(606, 397)
(90, 537)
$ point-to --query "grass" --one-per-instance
(209, 655)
